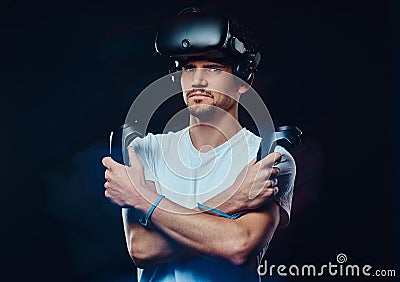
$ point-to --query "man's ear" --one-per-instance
(246, 86)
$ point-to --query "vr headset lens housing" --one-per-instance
(198, 36)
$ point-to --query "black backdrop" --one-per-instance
(70, 70)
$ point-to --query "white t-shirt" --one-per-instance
(187, 177)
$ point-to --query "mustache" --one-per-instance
(199, 90)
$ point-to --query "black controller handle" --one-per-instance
(288, 136)
(285, 136)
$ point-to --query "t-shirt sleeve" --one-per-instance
(286, 180)
(142, 149)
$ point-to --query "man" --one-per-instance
(210, 207)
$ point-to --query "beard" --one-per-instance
(199, 108)
(202, 111)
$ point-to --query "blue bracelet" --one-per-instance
(218, 212)
(146, 220)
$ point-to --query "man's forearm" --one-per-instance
(234, 199)
(225, 201)
(146, 245)
(209, 234)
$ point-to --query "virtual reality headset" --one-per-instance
(196, 35)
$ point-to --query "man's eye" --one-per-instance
(214, 70)
(189, 69)
(210, 70)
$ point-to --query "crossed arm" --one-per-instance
(235, 240)
(176, 230)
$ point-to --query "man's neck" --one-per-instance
(213, 133)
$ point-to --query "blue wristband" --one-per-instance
(218, 212)
(146, 220)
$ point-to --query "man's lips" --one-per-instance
(199, 94)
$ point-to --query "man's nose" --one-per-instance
(199, 78)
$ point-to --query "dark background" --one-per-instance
(71, 69)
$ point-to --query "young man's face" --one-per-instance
(207, 86)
